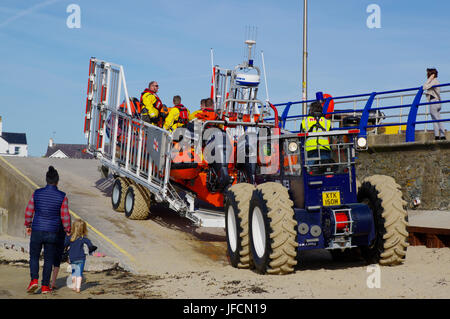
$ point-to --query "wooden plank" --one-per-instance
(429, 237)
(428, 230)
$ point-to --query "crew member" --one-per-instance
(194, 114)
(316, 122)
(178, 115)
(206, 113)
(152, 109)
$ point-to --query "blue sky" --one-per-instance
(45, 64)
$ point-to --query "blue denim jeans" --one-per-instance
(47, 240)
(59, 248)
(77, 268)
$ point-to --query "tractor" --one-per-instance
(314, 203)
(274, 197)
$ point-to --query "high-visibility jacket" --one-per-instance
(178, 116)
(310, 124)
(150, 104)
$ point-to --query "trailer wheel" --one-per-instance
(137, 202)
(384, 197)
(237, 202)
(273, 230)
(119, 190)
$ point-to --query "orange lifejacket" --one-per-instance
(207, 114)
(135, 107)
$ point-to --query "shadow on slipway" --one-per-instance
(168, 218)
(322, 259)
(306, 260)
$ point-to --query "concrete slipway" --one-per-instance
(164, 243)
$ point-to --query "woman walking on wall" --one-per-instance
(434, 95)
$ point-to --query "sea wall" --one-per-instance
(15, 193)
(422, 169)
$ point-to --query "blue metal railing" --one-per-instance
(368, 109)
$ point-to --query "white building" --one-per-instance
(13, 144)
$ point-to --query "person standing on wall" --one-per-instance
(434, 95)
(46, 213)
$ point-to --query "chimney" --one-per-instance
(50, 142)
(1, 126)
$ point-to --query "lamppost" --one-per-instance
(305, 54)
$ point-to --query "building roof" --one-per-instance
(14, 138)
(71, 150)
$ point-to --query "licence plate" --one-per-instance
(331, 198)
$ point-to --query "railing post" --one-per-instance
(325, 106)
(285, 114)
(411, 125)
(365, 115)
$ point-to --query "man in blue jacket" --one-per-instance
(46, 215)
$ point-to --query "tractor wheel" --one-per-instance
(137, 202)
(119, 190)
(382, 194)
(358, 184)
(237, 202)
(273, 230)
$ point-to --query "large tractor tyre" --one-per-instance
(382, 194)
(237, 203)
(137, 202)
(273, 230)
(119, 190)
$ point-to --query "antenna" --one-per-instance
(250, 40)
(265, 78)
(213, 80)
(212, 58)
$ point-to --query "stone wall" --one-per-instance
(15, 193)
(421, 168)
